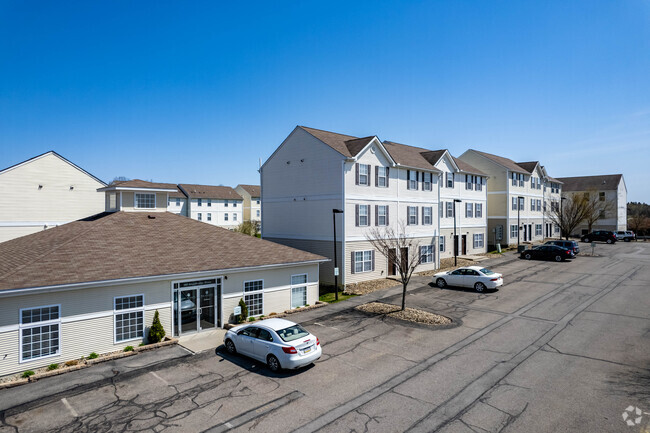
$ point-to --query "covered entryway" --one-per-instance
(197, 306)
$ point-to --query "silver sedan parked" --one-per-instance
(277, 342)
(470, 276)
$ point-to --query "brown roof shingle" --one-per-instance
(253, 190)
(210, 191)
(506, 162)
(126, 245)
(528, 166)
(137, 183)
(585, 183)
(410, 156)
(332, 139)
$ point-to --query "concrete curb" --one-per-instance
(88, 363)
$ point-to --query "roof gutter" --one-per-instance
(153, 278)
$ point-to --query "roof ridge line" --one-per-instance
(59, 245)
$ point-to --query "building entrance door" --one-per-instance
(391, 261)
(197, 308)
(464, 244)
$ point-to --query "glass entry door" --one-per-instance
(188, 310)
(206, 310)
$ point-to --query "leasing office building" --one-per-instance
(93, 285)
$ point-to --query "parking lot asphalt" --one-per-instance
(559, 347)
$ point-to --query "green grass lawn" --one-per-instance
(329, 297)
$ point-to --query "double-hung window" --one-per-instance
(209, 217)
(381, 179)
(39, 332)
(513, 231)
(209, 202)
(479, 183)
(426, 182)
(427, 215)
(234, 216)
(522, 203)
(225, 203)
(539, 205)
(514, 203)
(442, 244)
(298, 290)
(538, 229)
(234, 204)
(601, 196)
(199, 216)
(225, 216)
(426, 254)
(478, 210)
(468, 181)
(450, 179)
(363, 215)
(254, 297)
(129, 317)
(532, 204)
(478, 240)
(199, 202)
(363, 261)
(412, 179)
(412, 215)
(514, 178)
(363, 174)
(450, 209)
(468, 210)
(145, 201)
(381, 218)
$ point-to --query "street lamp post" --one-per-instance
(518, 220)
(336, 269)
(561, 218)
(456, 200)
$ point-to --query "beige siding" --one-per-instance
(469, 233)
(66, 194)
(323, 248)
(128, 202)
(381, 263)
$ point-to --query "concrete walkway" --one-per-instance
(202, 341)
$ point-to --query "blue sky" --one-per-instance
(198, 92)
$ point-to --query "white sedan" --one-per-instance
(277, 342)
(470, 276)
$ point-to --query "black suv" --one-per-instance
(569, 245)
(599, 235)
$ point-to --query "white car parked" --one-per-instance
(470, 276)
(277, 342)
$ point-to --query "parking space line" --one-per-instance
(70, 408)
(159, 378)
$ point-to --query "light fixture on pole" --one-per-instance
(456, 200)
(336, 269)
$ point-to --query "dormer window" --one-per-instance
(145, 200)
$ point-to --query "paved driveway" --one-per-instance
(560, 347)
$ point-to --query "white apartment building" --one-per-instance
(376, 185)
(463, 192)
(609, 188)
(515, 197)
(177, 203)
(217, 205)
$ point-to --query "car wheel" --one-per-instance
(528, 256)
(587, 240)
(440, 282)
(479, 287)
(558, 258)
(609, 241)
(230, 347)
(273, 363)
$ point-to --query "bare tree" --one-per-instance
(595, 208)
(569, 214)
(402, 251)
(638, 222)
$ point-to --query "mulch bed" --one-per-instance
(409, 314)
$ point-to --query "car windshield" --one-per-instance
(486, 271)
(292, 333)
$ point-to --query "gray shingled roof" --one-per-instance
(137, 183)
(528, 166)
(585, 183)
(210, 191)
(127, 245)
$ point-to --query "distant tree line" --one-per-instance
(638, 218)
